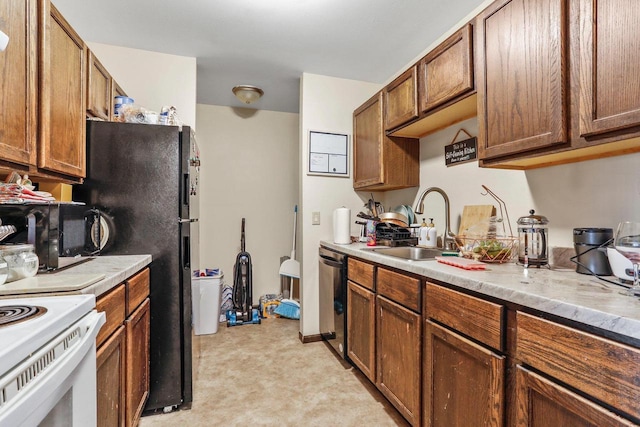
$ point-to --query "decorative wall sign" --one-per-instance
(328, 154)
(462, 151)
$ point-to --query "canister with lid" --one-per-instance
(533, 239)
(21, 260)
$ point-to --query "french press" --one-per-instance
(532, 236)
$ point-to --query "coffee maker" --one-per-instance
(533, 249)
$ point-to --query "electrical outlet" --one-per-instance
(315, 218)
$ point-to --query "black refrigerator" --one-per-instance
(144, 178)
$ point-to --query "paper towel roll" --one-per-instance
(342, 226)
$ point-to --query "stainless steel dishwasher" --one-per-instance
(332, 272)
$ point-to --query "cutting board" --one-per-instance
(44, 283)
(474, 214)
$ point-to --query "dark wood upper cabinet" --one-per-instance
(381, 162)
(447, 71)
(522, 76)
(401, 99)
(18, 85)
(99, 100)
(63, 60)
(609, 77)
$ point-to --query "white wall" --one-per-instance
(596, 193)
(326, 104)
(153, 79)
(249, 169)
(461, 182)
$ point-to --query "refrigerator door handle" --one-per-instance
(186, 191)
(181, 221)
(186, 250)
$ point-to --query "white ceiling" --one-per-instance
(270, 43)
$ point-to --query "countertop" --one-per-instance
(95, 276)
(560, 292)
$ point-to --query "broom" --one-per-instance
(288, 307)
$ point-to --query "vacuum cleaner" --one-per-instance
(243, 312)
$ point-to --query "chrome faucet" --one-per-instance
(448, 242)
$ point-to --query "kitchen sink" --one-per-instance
(411, 253)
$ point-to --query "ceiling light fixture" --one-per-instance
(247, 93)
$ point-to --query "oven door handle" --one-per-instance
(330, 262)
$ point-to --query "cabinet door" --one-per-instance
(361, 328)
(110, 365)
(368, 168)
(463, 381)
(401, 99)
(381, 162)
(62, 96)
(447, 71)
(99, 101)
(137, 376)
(543, 403)
(609, 65)
(398, 356)
(522, 76)
(18, 85)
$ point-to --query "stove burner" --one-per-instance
(10, 314)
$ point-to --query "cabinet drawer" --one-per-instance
(361, 273)
(602, 368)
(402, 289)
(113, 305)
(137, 290)
(476, 318)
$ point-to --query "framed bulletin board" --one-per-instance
(328, 154)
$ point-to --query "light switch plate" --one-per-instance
(315, 218)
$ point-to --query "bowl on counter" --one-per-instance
(620, 265)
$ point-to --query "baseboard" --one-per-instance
(309, 338)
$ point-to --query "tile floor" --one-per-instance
(263, 375)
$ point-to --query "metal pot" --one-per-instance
(533, 240)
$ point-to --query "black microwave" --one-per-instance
(57, 230)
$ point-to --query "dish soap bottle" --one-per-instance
(422, 233)
(431, 235)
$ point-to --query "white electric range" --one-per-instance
(48, 360)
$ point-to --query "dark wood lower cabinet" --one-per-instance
(361, 329)
(137, 380)
(543, 403)
(110, 365)
(398, 357)
(464, 382)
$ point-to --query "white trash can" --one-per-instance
(205, 298)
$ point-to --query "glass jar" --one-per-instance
(4, 271)
(22, 261)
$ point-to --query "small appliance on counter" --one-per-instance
(63, 234)
(533, 238)
(590, 245)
